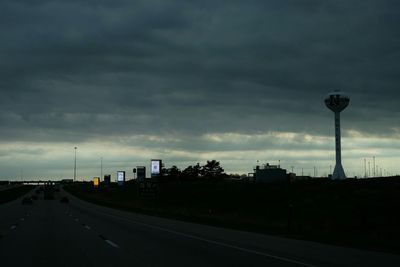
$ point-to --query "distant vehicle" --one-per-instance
(27, 200)
(64, 200)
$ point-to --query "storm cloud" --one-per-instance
(72, 72)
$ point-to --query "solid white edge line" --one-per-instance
(212, 241)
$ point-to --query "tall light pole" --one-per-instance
(75, 165)
(101, 167)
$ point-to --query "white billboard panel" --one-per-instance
(155, 167)
(121, 176)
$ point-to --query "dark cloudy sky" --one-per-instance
(187, 81)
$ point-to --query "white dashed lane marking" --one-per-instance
(109, 241)
(222, 244)
(112, 243)
(89, 228)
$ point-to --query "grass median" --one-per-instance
(14, 193)
(354, 213)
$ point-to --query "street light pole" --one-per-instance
(101, 167)
(75, 165)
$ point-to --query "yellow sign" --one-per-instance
(96, 181)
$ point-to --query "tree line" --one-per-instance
(211, 170)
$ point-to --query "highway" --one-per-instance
(78, 233)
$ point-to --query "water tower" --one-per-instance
(337, 101)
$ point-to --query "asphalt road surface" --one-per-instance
(50, 233)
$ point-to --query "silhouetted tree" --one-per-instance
(191, 172)
(212, 170)
(173, 172)
(163, 171)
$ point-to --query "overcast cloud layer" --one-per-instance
(185, 79)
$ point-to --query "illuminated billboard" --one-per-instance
(96, 181)
(121, 177)
(155, 167)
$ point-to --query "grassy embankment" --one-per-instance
(355, 213)
(14, 193)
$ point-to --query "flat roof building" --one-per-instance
(270, 174)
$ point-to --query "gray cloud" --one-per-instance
(74, 70)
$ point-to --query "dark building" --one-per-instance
(270, 174)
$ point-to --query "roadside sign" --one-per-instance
(141, 173)
(96, 182)
(121, 177)
(156, 165)
(148, 189)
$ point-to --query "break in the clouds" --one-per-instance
(189, 80)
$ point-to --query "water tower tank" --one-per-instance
(337, 102)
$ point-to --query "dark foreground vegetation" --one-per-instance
(357, 213)
(14, 193)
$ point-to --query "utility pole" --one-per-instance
(369, 168)
(373, 158)
(365, 168)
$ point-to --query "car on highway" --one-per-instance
(27, 200)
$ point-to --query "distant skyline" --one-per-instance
(187, 81)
